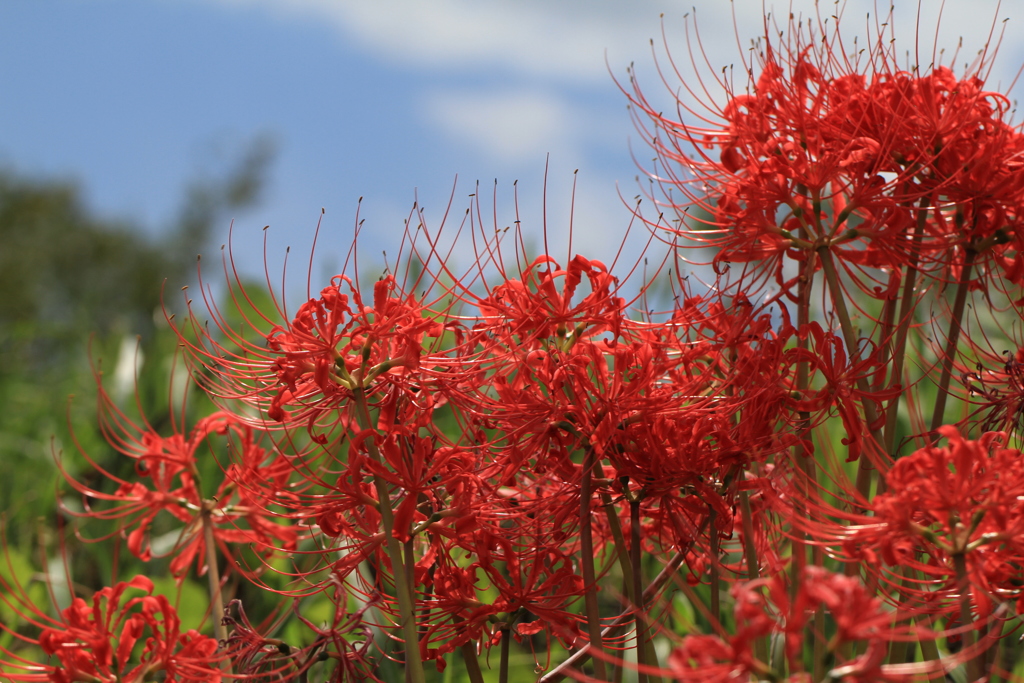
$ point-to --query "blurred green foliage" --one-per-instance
(78, 291)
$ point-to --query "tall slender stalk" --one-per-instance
(621, 549)
(587, 564)
(761, 651)
(806, 464)
(469, 658)
(949, 354)
(640, 619)
(966, 618)
(865, 469)
(716, 605)
(506, 637)
(906, 314)
(472, 663)
(406, 609)
(898, 649)
(213, 574)
(653, 589)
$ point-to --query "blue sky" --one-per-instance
(378, 99)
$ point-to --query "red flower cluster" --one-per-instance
(764, 609)
(965, 499)
(167, 480)
(458, 463)
(118, 640)
(823, 152)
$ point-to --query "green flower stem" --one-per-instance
(213, 574)
(966, 618)
(413, 664)
(213, 577)
(653, 589)
(808, 467)
(471, 662)
(469, 659)
(716, 600)
(761, 648)
(949, 353)
(639, 618)
(503, 664)
(619, 539)
(864, 469)
(587, 564)
(899, 346)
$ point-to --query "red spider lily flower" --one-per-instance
(839, 393)
(329, 349)
(117, 640)
(783, 146)
(997, 390)
(531, 574)
(438, 493)
(433, 485)
(545, 353)
(535, 307)
(168, 482)
(763, 607)
(307, 368)
(343, 647)
(973, 172)
(515, 569)
(849, 155)
(964, 500)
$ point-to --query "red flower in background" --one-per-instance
(240, 502)
(763, 608)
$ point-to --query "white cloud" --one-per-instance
(550, 43)
(568, 38)
(564, 40)
(510, 126)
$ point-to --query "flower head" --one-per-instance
(115, 638)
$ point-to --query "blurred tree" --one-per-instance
(67, 277)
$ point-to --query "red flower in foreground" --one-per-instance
(335, 346)
(821, 153)
(332, 347)
(967, 500)
(118, 640)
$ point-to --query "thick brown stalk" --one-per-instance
(587, 564)
(406, 608)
